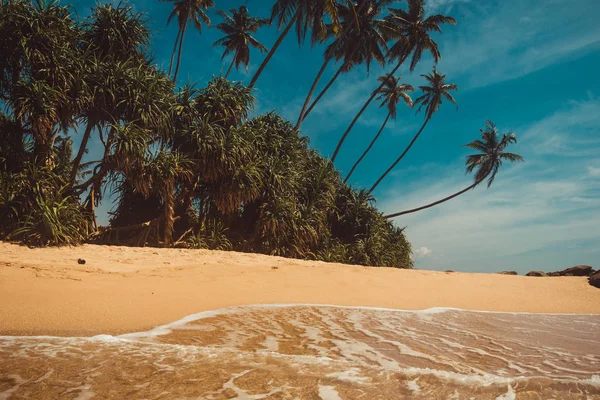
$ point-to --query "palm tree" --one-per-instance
(411, 29)
(39, 70)
(305, 14)
(164, 172)
(360, 41)
(431, 100)
(113, 40)
(187, 10)
(390, 95)
(485, 164)
(238, 29)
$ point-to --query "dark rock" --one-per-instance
(508, 273)
(536, 273)
(80, 261)
(448, 271)
(594, 280)
(578, 270)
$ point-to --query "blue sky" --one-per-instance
(528, 65)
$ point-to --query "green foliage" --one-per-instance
(36, 209)
(210, 234)
(196, 167)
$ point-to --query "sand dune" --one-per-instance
(122, 289)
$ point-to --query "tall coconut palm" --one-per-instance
(186, 10)
(389, 95)
(431, 100)
(305, 14)
(411, 29)
(360, 41)
(238, 28)
(485, 164)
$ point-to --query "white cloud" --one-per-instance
(437, 6)
(594, 172)
(422, 252)
(532, 210)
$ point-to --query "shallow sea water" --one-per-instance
(317, 352)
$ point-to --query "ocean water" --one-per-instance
(317, 352)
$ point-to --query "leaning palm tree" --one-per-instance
(360, 41)
(431, 100)
(411, 29)
(485, 164)
(238, 28)
(186, 10)
(304, 14)
(389, 95)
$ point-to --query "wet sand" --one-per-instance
(122, 289)
(317, 353)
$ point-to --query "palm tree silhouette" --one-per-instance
(390, 95)
(186, 10)
(238, 28)
(431, 100)
(485, 164)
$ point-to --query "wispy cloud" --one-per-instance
(506, 40)
(437, 6)
(540, 204)
(594, 172)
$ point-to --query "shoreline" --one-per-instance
(45, 292)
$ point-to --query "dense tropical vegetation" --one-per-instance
(87, 114)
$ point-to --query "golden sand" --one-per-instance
(123, 289)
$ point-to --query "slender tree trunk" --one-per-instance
(311, 91)
(323, 91)
(331, 81)
(174, 51)
(169, 211)
(435, 203)
(231, 66)
(362, 110)
(82, 147)
(304, 114)
(274, 48)
(92, 208)
(43, 152)
(356, 117)
(414, 139)
(179, 52)
(368, 148)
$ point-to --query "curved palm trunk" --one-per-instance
(331, 81)
(169, 212)
(81, 151)
(362, 110)
(231, 65)
(310, 93)
(368, 148)
(435, 203)
(179, 52)
(274, 48)
(174, 51)
(323, 91)
(414, 139)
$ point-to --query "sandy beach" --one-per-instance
(123, 289)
